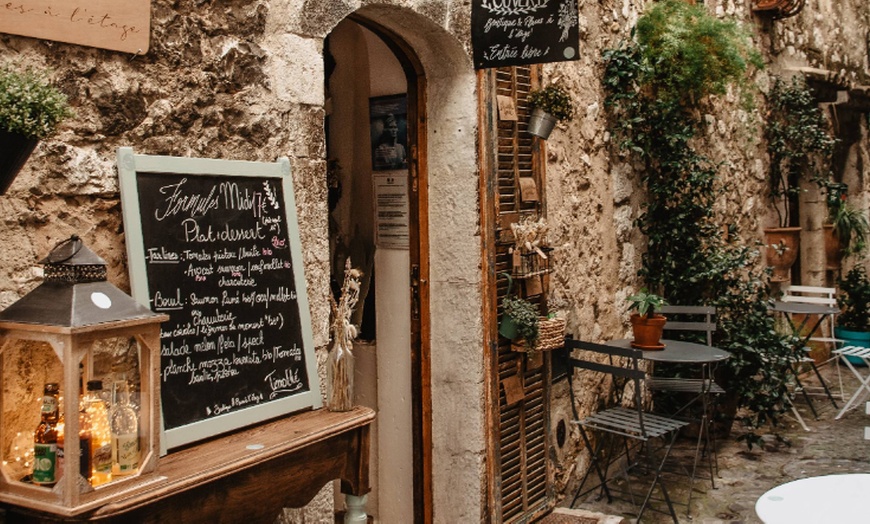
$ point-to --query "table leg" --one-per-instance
(356, 509)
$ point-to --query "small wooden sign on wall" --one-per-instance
(119, 25)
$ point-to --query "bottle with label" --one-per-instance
(45, 439)
(124, 421)
(101, 435)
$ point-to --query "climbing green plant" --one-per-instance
(799, 144)
(655, 85)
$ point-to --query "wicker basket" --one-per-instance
(551, 335)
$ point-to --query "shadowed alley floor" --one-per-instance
(831, 446)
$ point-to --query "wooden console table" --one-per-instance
(248, 476)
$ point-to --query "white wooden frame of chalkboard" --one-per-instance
(129, 165)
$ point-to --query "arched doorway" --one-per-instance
(429, 437)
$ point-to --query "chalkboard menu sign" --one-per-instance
(515, 32)
(215, 245)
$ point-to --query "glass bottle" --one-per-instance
(84, 452)
(124, 421)
(45, 439)
(101, 434)
(84, 441)
(339, 379)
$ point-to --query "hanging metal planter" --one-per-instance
(541, 123)
(16, 150)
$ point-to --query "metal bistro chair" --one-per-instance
(632, 427)
(701, 320)
(825, 296)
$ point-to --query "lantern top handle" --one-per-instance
(72, 252)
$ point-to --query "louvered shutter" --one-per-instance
(523, 488)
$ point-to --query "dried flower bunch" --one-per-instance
(343, 331)
(29, 104)
(530, 235)
(340, 364)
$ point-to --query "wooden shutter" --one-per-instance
(522, 490)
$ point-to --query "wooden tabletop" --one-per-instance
(247, 476)
(679, 352)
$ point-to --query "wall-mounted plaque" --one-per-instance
(215, 245)
(120, 25)
(514, 32)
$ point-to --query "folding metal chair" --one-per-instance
(632, 427)
(822, 332)
(863, 389)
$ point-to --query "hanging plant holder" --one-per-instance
(532, 263)
(16, 150)
(541, 123)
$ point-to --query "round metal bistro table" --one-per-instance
(679, 352)
(829, 498)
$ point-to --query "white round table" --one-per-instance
(830, 498)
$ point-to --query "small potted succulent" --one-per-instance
(30, 110)
(550, 105)
(646, 324)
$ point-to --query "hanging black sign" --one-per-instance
(515, 32)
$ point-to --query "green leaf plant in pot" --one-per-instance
(853, 322)
(646, 324)
(550, 105)
(30, 110)
(847, 227)
(519, 318)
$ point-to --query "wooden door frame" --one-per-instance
(421, 385)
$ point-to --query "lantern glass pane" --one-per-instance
(26, 366)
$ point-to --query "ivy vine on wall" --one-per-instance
(655, 85)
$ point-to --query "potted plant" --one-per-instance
(853, 322)
(519, 321)
(30, 110)
(646, 324)
(847, 228)
(550, 105)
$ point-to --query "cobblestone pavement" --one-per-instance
(831, 446)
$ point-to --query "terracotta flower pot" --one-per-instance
(14, 153)
(648, 331)
(783, 246)
(833, 252)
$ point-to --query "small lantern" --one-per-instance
(73, 328)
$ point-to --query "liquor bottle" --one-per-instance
(101, 434)
(125, 433)
(45, 439)
(84, 452)
(85, 439)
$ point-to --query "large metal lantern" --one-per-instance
(74, 329)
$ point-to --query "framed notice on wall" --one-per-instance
(517, 32)
(391, 210)
(215, 245)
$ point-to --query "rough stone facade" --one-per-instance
(243, 79)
